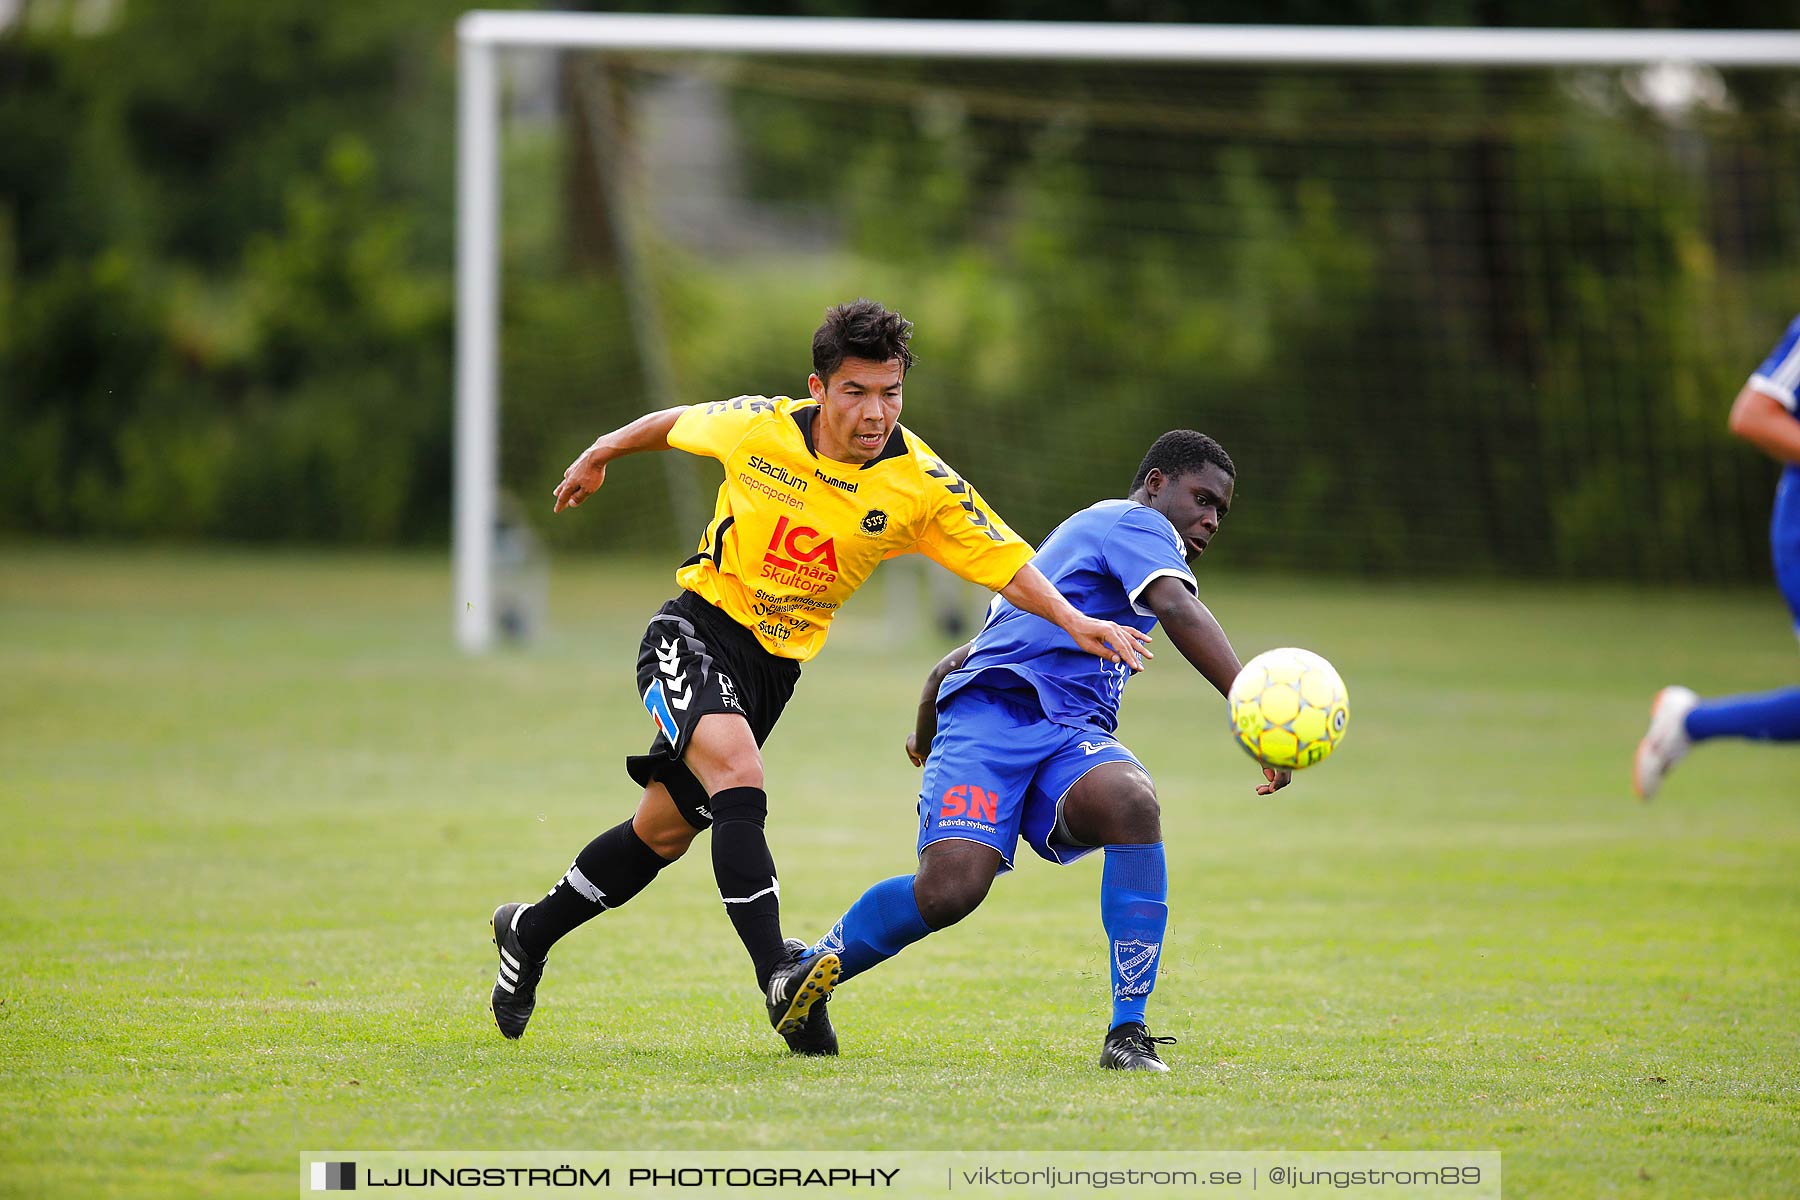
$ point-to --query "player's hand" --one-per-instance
(916, 753)
(581, 480)
(1113, 642)
(1278, 778)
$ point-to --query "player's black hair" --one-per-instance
(1182, 450)
(860, 329)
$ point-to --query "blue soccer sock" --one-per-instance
(1764, 716)
(1134, 907)
(882, 923)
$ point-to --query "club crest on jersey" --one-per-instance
(874, 522)
(1136, 965)
(800, 557)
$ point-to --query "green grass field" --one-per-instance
(257, 812)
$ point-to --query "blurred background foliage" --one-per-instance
(226, 282)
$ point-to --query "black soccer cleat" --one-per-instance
(515, 988)
(796, 986)
(1131, 1048)
(815, 1036)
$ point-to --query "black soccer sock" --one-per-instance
(612, 869)
(745, 871)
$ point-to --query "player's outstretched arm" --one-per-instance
(1194, 630)
(1202, 641)
(588, 471)
(918, 742)
(1030, 591)
(1759, 419)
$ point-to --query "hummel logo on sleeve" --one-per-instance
(959, 489)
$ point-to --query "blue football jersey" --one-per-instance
(1779, 374)
(1101, 559)
(1779, 377)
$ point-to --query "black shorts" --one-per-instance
(696, 660)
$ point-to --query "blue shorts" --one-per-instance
(998, 768)
(1784, 540)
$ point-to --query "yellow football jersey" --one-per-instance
(794, 533)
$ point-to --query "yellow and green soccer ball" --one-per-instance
(1289, 708)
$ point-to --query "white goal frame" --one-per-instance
(482, 35)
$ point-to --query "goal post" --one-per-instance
(485, 36)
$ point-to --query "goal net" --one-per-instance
(1448, 319)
